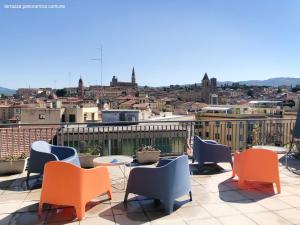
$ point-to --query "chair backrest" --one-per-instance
(62, 181)
(41, 146)
(198, 142)
(67, 183)
(261, 163)
(179, 174)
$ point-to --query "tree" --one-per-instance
(279, 90)
(61, 92)
(296, 89)
(250, 93)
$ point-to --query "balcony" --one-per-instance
(217, 199)
(171, 137)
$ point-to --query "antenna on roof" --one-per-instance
(101, 69)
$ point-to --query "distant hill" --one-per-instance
(278, 81)
(7, 91)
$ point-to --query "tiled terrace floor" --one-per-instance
(216, 200)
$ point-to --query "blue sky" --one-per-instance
(167, 41)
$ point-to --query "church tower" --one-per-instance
(205, 89)
(80, 90)
(205, 81)
(133, 81)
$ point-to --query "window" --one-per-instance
(198, 125)
(206, 123)
(207, 134)
(217, 136)
(85, 116)
(217, 123)
(241, 137)
(228, 137)
(229, 125)
(72, 118)
(241, 125)
(42, 116)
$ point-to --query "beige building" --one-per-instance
(5, 112)
(80, 114)
(229, 125)
(269, 108)
(40, 115)
(74, 114)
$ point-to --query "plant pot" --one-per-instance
(86, 161)
(147, 156)
(12, 167)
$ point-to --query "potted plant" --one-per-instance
(13, 164)
(147, 154)
(87, 154)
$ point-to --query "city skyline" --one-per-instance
(169, 42)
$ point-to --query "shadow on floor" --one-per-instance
(64, 215)
(19, 184)
(206, 169)
(251, 192)
(292, 161)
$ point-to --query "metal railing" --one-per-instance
(171, 137)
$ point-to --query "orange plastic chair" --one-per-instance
(259, 165)
(67, 184)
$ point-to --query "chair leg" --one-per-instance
(169, 206)
(80, 211)
(109, 193)
(241, 183)
(125, 199)
(27, 179)
(156, 201)
(191, 197)
(200, 165)
(40, 208)
(233, 173)
(278, 187)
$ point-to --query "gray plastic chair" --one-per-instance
(209, 151)
(42, 152)
(166, 182)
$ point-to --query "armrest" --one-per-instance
(63, 152)
(163, 162)
(210, 142)
(216, 147)
(146, 175)
(38, 160)
(149, 181)
(43, 155)
(97, 174)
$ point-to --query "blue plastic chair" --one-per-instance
(166, 182)
(42, 152)
(210, 151)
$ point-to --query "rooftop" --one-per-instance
(217, 199)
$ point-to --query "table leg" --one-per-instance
(124, 176)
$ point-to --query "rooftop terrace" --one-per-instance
(217, 199)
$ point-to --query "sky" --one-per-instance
(167, 41)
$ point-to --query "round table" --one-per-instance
(276, 149)
(114, 160)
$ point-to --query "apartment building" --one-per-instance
(229, 125)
